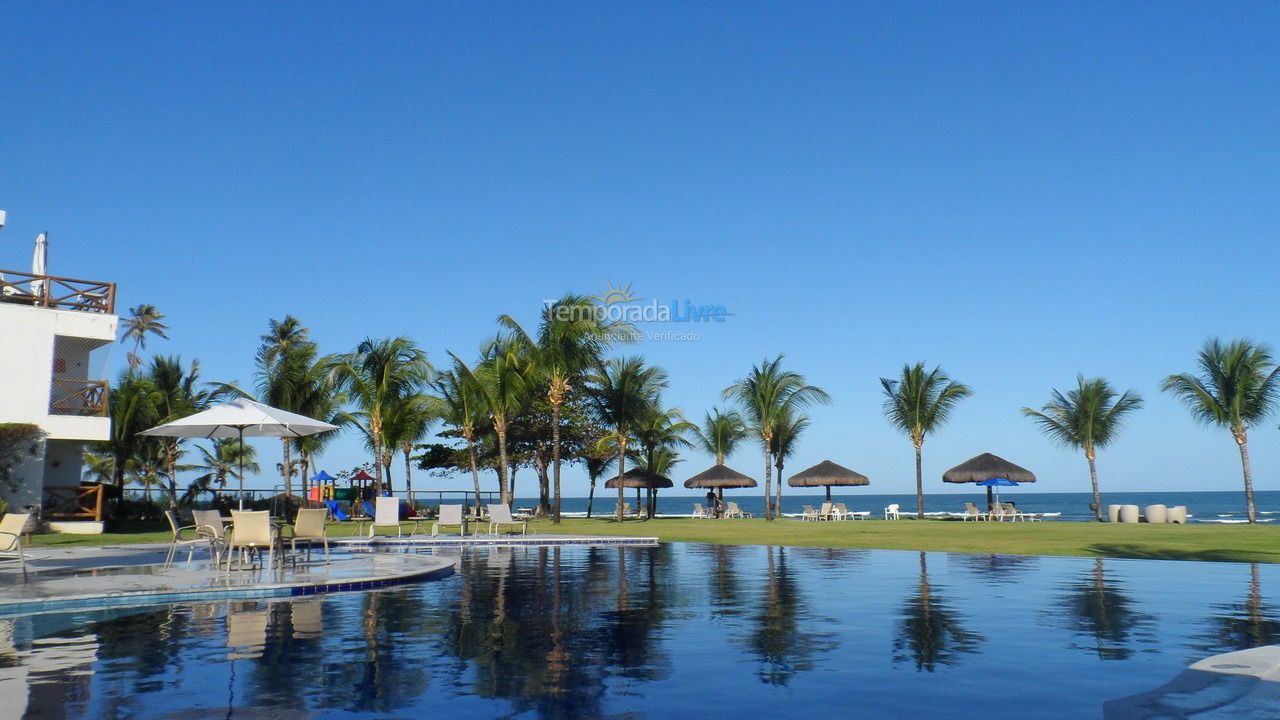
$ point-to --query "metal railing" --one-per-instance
(85, 398)
(61, 293)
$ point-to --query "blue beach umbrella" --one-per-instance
(998, 483)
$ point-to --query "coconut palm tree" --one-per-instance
(572, 337)
(222, 460)
(502, 379)
(597, 465)
(917, 403)
(178, 394)
(721, 432)
(143, 320)
(133, 407)
(661, 435)
(786, 440)
(1236, 387)
(766, 394)
(464, 409)
(1086, 418)
(375, 377)
(98, 467)
(623, 391)
(407, 424)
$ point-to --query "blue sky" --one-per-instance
(1018, 191)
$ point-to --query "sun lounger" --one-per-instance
(450, 515)
(971, 512)
(809, 513)
(11, 527)
(735, 512)
(500, 515)
(386, 514)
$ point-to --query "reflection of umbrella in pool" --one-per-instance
(997, 483)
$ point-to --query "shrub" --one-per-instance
(19, 442)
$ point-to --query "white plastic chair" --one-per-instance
(386, 513)
(891, 512)
(500, 515)
(450, 515)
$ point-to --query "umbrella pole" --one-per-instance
(241, 430)
(990, 507)
(828, 487)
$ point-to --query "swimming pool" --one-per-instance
(670, 631)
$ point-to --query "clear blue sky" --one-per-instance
(1019, 191)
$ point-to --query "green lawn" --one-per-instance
(1229, 543)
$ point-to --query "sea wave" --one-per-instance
(1236, 522)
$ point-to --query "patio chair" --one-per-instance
(196, 536)
(891, 512)
(11, 527)
(450, 515)
(500, 515)
(309, 528)
(251, 531)
(736, 512)
(386, 514)
(971, 512)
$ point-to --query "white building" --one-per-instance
(56, 335)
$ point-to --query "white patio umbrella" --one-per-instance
(241, 418)
(40, 263)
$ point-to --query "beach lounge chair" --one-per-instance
(825, 512)
(698, 512)
(500, 515)
(735, 512)
(891, 512)
(450, 515)
(251, 531)
(971, 512)
(309, 528)
(385, 514)
(11, 527)
(841, 512)
(808, 513)
(195, 536)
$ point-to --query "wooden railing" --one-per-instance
(74, 503)
(61, 293)
(86, 398)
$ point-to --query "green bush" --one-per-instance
(19, 442)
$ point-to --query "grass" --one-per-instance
(1219, 543)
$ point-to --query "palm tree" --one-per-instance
(597, 465)
(289, 375)
(572, 337)
(143, 320)
(375, 377)
(623, 392)
(917, 403)
(502, 380)
(133, 407)
(1087, 418)
(177, 395)
(766, 394)
(1236, 388)
(463, 409)
(407, 424)
(660, 435)
(99, 467)
(223, 460)
(721, 432)
(786, 440)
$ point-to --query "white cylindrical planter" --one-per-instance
(1178, 514)
(1113, 513)
(1128, 513)
(1156, 514)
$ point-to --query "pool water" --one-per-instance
(672, 631)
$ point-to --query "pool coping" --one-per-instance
(430, 568)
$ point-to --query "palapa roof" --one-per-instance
(986, 467)
(827, 473)
(720, 476)
(639, 478)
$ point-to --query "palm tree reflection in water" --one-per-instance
(931, 633)
(1246, 625)
(1099, 610)
(782, 645)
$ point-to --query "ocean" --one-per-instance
(1221, 507)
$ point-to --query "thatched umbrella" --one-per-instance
(641, 479)
(826, 474)
(987, 467)
(719, 477)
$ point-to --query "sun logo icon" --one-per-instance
(614, 294)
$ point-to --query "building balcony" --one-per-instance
(80, 398)
(59, 293)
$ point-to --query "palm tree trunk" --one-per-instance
(305, 461)
(622, 466)
(591, 496)
(1093, 477)
(286, 469)
(408, 476)
(475, 470)
(500, 425)
(919, 487)
(171, 462)
(768, 482)
(1242, 440)
(778, 505)
(555, 463)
